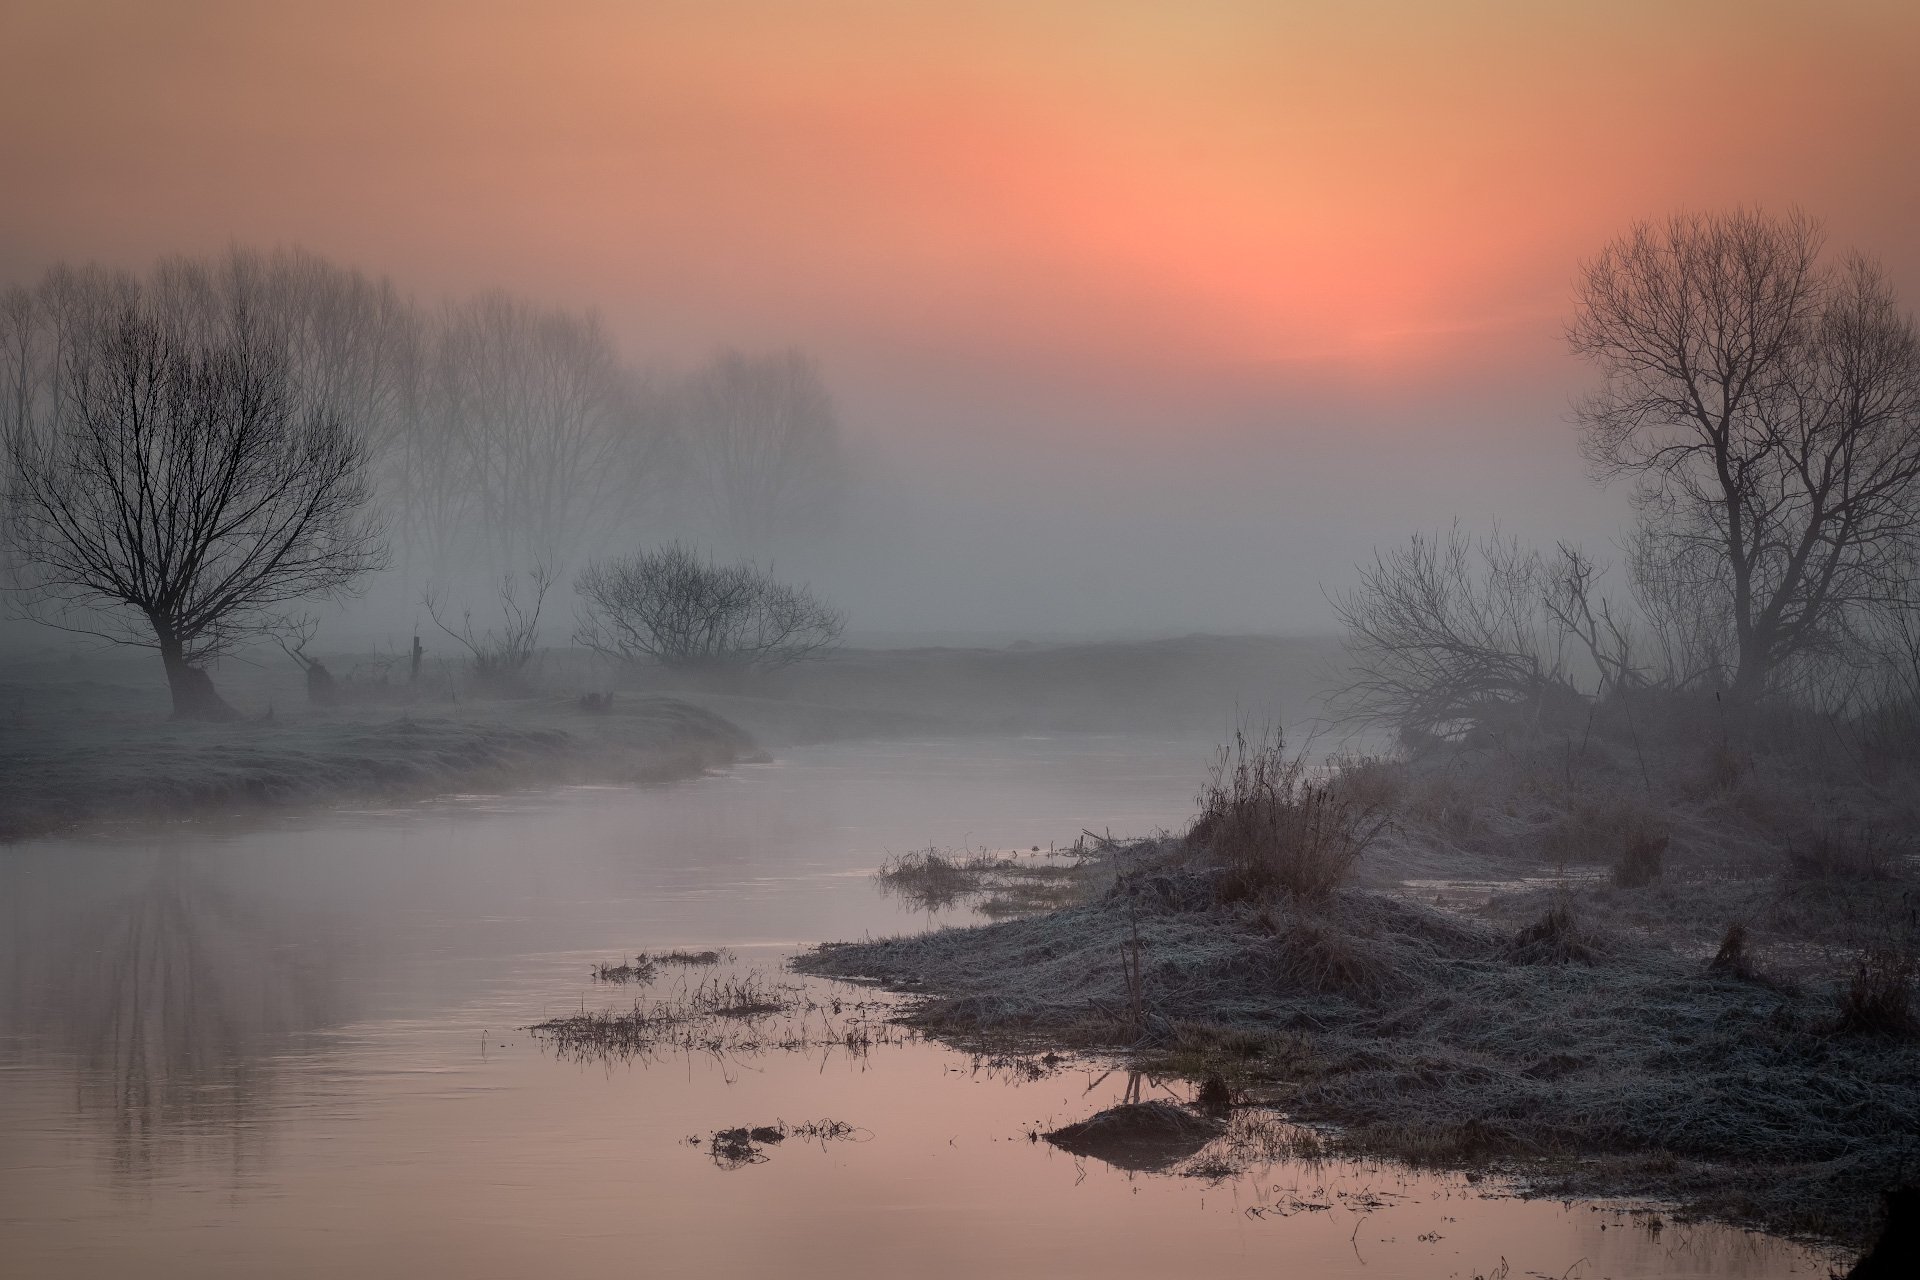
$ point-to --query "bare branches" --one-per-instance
(178, 485)
(1448, 634)
(535, 441)
(762, 446)
(670, 606)
(1768, 405)
(499, 658)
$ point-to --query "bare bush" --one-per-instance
(1734, 958)
(498, 658)
(1449, 634)
(1842, 853)
(1643, 861)
(672, 607)
(1878, 998)
(1269, 821)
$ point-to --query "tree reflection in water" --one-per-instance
(174, 997)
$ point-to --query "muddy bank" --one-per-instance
(62, 771)
(1588, 1061)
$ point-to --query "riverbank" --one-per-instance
(86, 734)
(59, 771)
(1718, 1015)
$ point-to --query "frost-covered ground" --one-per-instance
(1491, 990)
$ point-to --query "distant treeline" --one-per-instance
(503, 433)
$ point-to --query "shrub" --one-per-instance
(672, 607)
(1878, 999)
(1270, 822)
(1732, 959)
(1643, 861)
(1840, 854)
(1556, 938)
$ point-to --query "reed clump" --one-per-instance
(1270, 822)
(1878, 997)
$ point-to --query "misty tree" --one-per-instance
(1767, 405)
(672, 607)
(537, 442)
(170, 482)
(762, 444)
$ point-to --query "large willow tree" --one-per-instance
(171, 481)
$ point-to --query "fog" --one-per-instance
(844, 638)
(1140, 328)
(931, 503)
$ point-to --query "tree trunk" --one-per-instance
(194, 697)
(1753, 670)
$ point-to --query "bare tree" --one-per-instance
(1768, 406)
(763, 445)
(538, 441)
(171, 484)
(674, 608)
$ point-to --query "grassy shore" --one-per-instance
(1533, 969)
(92, 763)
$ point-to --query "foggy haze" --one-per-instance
(1137, 357)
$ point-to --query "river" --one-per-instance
(298, 1048)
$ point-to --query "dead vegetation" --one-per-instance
(1269, 821)
(995, 884)
(728, 1015)
(1878, 997)
(692, 958)
(745, 1145)
(1650, 998)
(638, 969)
(646, 966)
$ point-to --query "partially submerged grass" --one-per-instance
(692, 958)
(646, 966)
(728, 1014)
(745, 1145)
(638, 969)
(997, 885)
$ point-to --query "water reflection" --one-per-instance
(175, 999)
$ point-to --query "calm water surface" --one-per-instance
(298, 1050)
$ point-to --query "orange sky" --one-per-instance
(1318, 195)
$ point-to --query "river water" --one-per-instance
(299, 1049)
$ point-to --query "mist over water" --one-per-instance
(301, 1046)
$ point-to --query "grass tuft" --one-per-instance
(1269, 822)
(1556, 938)
(1878, 998)
(1643, 861)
